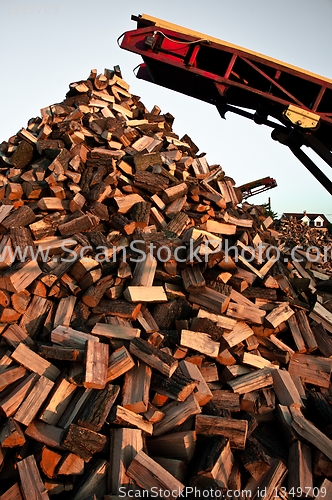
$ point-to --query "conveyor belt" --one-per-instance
(241, 81)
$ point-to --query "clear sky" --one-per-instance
(48, 44)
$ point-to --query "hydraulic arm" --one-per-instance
(256, 187)
(295, 103)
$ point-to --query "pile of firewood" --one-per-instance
(297, 234)
(139, 351)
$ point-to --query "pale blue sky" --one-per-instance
(48, 44)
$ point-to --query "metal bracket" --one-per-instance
(301, 117)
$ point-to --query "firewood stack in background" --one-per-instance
(189, 368)
(295, 233)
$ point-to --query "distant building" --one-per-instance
(318, 221)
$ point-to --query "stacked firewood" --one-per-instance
(155, 337)
(296, 234)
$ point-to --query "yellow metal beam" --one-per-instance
(159, 23)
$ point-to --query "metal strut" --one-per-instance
(312, 167)
(294, 139)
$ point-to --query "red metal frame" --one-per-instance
(237, 80)
(214, 73)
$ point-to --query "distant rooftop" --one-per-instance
(313, 220)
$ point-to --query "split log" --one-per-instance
(174, 192)
(80, 224)
(136, 388)
(200, 342)
(31, 482)
(35, 363)
(278, 315)
(125, 203)
(252, 381)
(116, 331)
(202, 392)
(212, 300)
(147, 321)
(246, 313)
(269, 350)
(10, 402)
(300, 468)
(31, 405)
(61, 353)
(83, 442)
(270, 482)
(19, 277)
(5, 361)
(73, 339)
(74, 407)
(153, 357)
(58, 403)
(149, 474)
(153, 415)
(97, 407)
(323, 340)
(234, 430)
(285, 388)
(234, 371)
(125, 444)
(11, 435)
(20, 301)
(64, 311)
(49, 461)
(193, 279)
(312, 369)
(255, 361)
(127, 418)
(306, 331)
(96, 365)
(94, 482)
(71, 465)
(178, 386)
(226, 400)
(180, 445)
(221, 321)
(141, 213)
(144, 272)
(11, 375)
(175, 414)
(119, 308)
(254, 459)
(296, 334)
(149, 294)
(309, 432)
(21, 217)
(214, 465)
(119, 363)
(240, 332)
